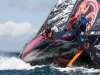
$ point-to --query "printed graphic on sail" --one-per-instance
(91, 8)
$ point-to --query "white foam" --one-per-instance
(12, 63)
(74, 69)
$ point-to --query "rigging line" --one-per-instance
(67, 22)
(54, 3)
(96, 39)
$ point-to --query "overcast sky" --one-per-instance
(19, 20)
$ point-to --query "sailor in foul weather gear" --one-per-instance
(54, 28)
(83, 21)
(72, 21)
(46, 33)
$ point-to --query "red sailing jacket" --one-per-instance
(72, 19)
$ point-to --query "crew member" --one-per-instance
(72, 21)
(53, 30)
(83, 21)
(46, 33)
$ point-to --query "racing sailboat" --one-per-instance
(59, 17)
(62, 50)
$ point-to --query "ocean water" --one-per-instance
(11, 64)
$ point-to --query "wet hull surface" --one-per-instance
(91, 49)
(39, 41)
(50, 52)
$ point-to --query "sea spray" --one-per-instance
(78, 70)
(14, 63)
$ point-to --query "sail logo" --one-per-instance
(84, 8)
(67, 34)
